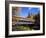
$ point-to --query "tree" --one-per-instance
(37, 22)
(28, 15)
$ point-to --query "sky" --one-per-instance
(25, 10)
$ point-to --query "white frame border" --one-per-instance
(25, 32)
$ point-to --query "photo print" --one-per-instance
(25, 18)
